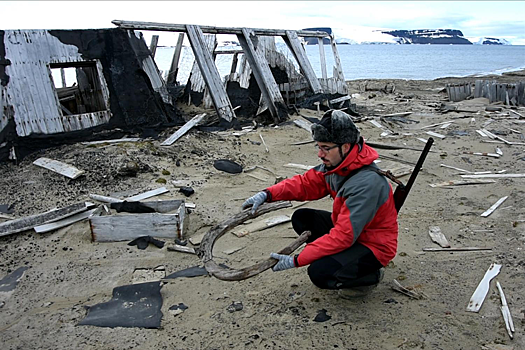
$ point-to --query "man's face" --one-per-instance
(329, 153)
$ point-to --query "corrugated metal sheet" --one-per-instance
(31, 89)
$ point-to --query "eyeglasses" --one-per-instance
(325, 149)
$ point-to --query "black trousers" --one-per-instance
(353, 267)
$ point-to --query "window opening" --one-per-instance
(78, 89)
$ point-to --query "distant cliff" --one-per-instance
(429, 36)
(492, 41)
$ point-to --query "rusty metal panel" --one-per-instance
(31, 90)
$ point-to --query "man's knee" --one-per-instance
(321, 273)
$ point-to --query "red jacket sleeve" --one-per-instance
(306, 187)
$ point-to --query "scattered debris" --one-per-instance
(455, 249)
(186, 190)
(9, 282)
(435, 134)
(184, 129)
(143, 242)
(59, 167)
(142, 275)
(509, 324)
(235, 306)
(193, 271)
(264, 143)
(177, 309)
(494, 207)
(322, 316)
(55, 225)
(399, 288)
(452, 183)
(494, 155)
(261, 225)
(182, 249)
(438, 237)
(227, 166)
(481, 291)
(298, 166)
(26, 223)
(135, 305)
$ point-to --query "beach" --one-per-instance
(68, 272)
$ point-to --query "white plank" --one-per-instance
(494, 207)
(114, 228)
(455, 249)
(435, 134)
(438, 237)
(261, 225)
(147, 194)
(126, 139)
(461, 183)
(306, 125)
(64, 222)
(298, 166)
(499, 176)
(484, 154)
(184, 129)
(507, 317)
(264, 143)
(58, 167)
(481, 291)
(437, 124)
(482, 134)
(458, 169)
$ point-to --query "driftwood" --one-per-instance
(227, 274)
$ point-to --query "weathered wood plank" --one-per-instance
(184, 129)
(174, 67)
(481, 291)
(263, 75)
(170, 27)
(114, 228)
(294, 44)
(153, 45)
(322, 58)
(147, 194)
(64, 222)
(210, 73)
(451, 183)
(494, 207)
(26, 223)
(58, 167)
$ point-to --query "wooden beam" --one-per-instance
(234, 63)
(170, 27)
(115, 228)
(63, 77)
(322, 58)
(184, 129)
(210, 74)
(294, 45)
(263, 75)
(153, 45)
(338, 68)
(174, 68)
(26, 223)
(55, 225)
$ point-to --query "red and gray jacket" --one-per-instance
(363, 209)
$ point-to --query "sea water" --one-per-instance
(418, 62)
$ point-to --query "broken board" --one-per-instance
(481, 291)
(58, 167)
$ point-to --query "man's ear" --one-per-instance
(346, 148)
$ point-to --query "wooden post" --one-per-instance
(210, 73)
(292, 40)
(153, 45)
(338, 68)
(320, 42)
(234, 63)
(263, 75)
(174, 69)
(63, 76)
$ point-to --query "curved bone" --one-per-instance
(227, 274)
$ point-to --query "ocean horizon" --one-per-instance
(407, 62)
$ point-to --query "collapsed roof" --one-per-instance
(59, 85)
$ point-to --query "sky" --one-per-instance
(348, 19)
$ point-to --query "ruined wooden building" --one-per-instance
(117, 83)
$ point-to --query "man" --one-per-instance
(349, 247)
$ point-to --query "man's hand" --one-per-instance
(255, 201)
(285, 262)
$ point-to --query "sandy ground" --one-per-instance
(67, 271)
